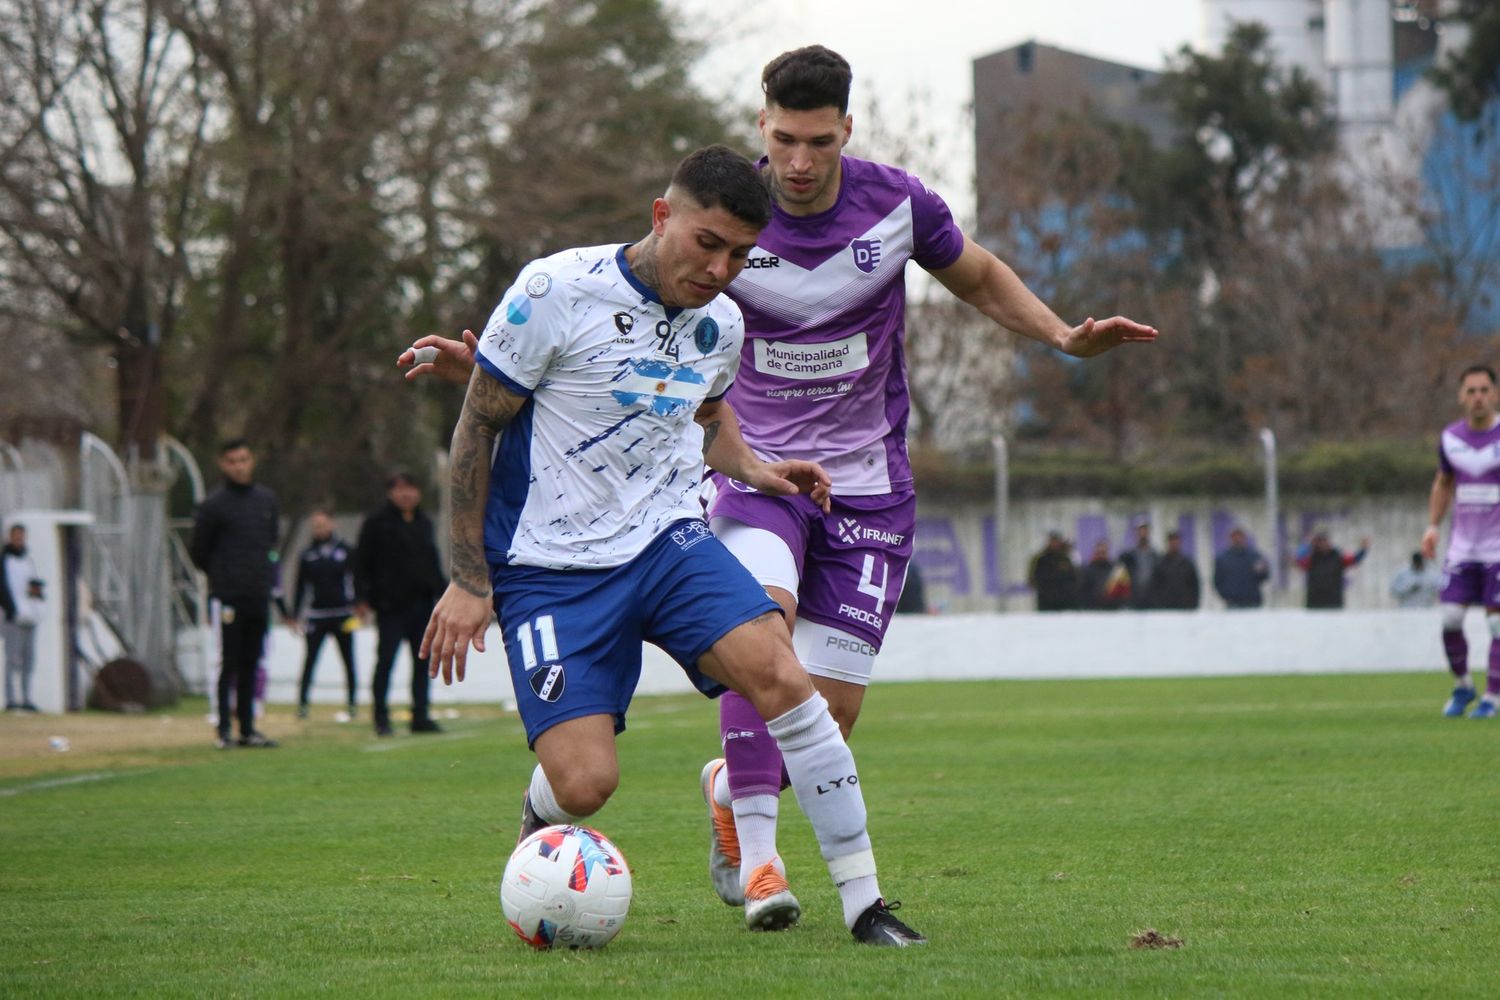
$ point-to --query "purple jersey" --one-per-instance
(823, 369)
(1472, 458)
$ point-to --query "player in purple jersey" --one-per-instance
(823, 376)
(1468, 481)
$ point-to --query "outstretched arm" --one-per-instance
(449, 360)
(988, 284)
(725, 450)
(463, 613)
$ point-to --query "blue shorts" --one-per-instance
(573, 637)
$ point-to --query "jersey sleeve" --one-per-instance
(937, 240)
(526, 332)
(1444, 466)
(734, 338)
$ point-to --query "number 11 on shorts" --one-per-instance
(544, 629)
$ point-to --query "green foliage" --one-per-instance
(1471, 75)
(1042, 827)
(1318, 469)
(1247, 127)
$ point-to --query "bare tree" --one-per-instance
(100, 143)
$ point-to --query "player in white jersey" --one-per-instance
(1468, 481)
(596, 401)
(824, 375)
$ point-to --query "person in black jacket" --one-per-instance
(1325, 566)
(325, 583)
(1174, 581)
(1053, 575)
(398, 574)
(234, 541)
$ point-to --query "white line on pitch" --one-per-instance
(419, 740)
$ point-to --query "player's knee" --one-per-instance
(780, 684)
(1493, 620)
(583, 792)
(1453, 617)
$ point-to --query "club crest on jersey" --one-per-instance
(548, 682)
(539, 285)
(866, 254)
(706, 335)
(624, 322)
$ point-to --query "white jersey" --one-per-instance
(605, 454)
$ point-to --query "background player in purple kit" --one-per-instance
(1468, 481)
(824, 376)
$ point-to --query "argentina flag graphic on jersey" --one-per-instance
(605, 453)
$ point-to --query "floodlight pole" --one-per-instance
(1273, 503)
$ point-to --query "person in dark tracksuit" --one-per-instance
(235, 532)
(398, 574)
(325, 583)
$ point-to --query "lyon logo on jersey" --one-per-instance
(866, 254)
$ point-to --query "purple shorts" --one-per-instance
(1473, 583)
(851, 561)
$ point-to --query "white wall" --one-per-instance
(1012, 646)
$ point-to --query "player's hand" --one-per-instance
(793, 477)
(1093, 337)
(453, 362)
(1429, 542)
(460, 619)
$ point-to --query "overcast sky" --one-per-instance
(923, 51)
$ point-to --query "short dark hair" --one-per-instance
(718, 177)
(1478, 370)
(808, 78)
(401, 477)
(233, 444)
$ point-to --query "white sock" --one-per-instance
(1466, 681)
(755, 823)
(721, 788)
(827, 786)
(858, 895)
(544, 802)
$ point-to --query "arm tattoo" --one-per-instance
(488, 408)
(710, 431)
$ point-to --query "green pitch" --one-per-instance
(1291, 836)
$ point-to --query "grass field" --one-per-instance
(1301, 836)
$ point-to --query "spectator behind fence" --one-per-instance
(1418, 585)
(1103, 584)
(1140, 562)
(21, 597)
(1174, 582)
(1053, 575)
(1325, 567)
(1239, 572)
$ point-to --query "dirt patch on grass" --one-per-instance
(1152, 938)
(35, 744)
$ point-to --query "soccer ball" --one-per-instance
(566, 886)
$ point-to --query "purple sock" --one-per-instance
(1492, 683)
(755, 766)
(1457, 648)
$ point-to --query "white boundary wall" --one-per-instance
(1008, 646)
